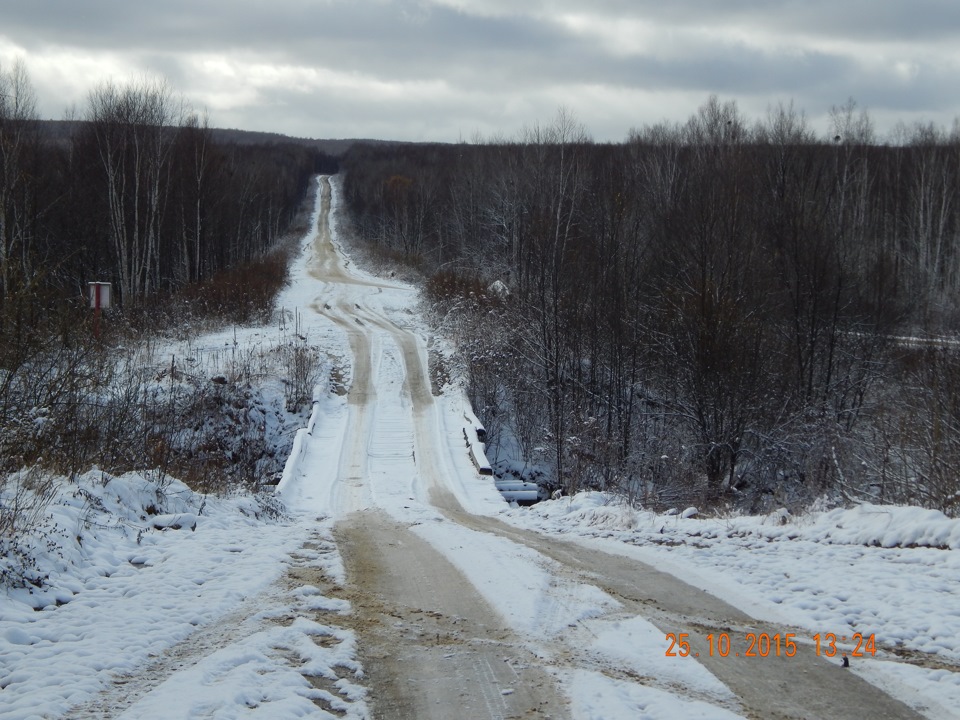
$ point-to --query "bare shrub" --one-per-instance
(24, 496)
(242, 295)
(913, 451)
(299, 368)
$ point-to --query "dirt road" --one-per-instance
(432, 646)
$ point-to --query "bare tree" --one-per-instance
(555, 183)
(135, 126)
(17, 129)
(196, 173)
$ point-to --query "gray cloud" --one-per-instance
(442, 69)
(909, 20)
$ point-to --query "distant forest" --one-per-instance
(716, 311)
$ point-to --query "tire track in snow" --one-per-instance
(431, 646)
(426, 421)
(349, 490)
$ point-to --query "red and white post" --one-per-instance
(99, 300)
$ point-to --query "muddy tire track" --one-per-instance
(432, 648)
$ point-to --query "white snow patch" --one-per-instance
(594, 696)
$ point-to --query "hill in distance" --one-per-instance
(62, 130)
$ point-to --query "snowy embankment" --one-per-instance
(122, 586)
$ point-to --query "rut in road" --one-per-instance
(429, 643)
(802, 686)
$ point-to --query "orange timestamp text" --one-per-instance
(771, 645)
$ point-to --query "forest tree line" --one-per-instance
(713, 311)
(138, 191)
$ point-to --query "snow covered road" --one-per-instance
(415, 525)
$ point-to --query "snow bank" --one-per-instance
(115, 582)
(886, 526)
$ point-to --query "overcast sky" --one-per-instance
(458, 69)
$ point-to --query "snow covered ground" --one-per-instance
(222, 608)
